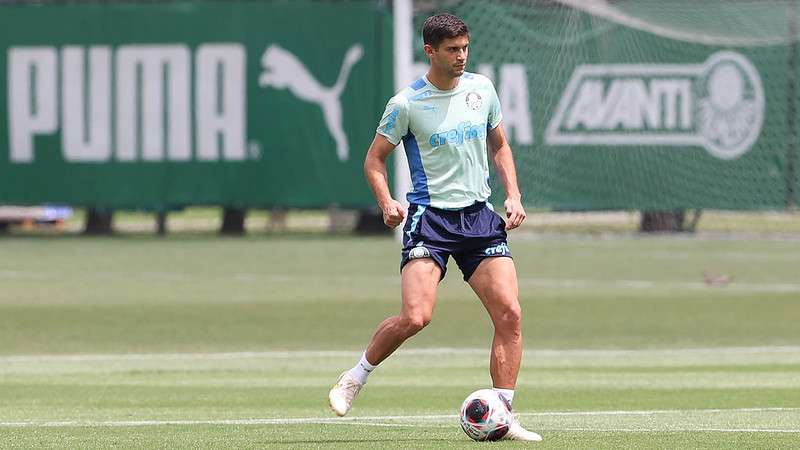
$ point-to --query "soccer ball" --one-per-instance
(485, 415)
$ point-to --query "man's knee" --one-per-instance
(509, 317)
(414, 323)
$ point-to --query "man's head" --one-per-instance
(446, 40)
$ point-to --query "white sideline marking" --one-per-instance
(669, 430)
(654, 412)
(409, 352)
(371, 420)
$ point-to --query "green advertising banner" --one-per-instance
(641, 104)
(161, 105)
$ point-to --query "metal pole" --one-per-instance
(791, 113)
(403, 72)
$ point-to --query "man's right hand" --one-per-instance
(393, 213)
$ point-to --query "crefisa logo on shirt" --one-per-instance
(474, 101)
(465, 131)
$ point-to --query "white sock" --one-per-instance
(362, 370)
(507, 394)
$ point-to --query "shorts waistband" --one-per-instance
(477, 206)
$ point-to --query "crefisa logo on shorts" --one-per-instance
(717, 105)
(499, 249)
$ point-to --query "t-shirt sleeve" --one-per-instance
(394, 123)
(495, 114)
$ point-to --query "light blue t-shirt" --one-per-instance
(444, 134)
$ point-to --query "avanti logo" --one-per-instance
(717, 105)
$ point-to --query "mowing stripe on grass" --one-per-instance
(566, 283)
(647, 284)
(409, 352)
(409, 419)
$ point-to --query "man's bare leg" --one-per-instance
(495, 282)
(419, 281)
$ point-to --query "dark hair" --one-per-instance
(442, 26)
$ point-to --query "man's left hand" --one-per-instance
(514, 212)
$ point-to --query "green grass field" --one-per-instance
(202, 342)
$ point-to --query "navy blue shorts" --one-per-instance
(469, 235)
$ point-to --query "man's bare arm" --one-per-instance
(378, 179)
(503, 160)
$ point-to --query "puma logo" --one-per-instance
(282, 70)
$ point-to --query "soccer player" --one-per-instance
(445, 120)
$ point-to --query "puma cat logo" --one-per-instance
(283, 70)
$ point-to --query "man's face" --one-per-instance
(450, 57)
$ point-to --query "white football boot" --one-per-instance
(517, 433)
(342, 394)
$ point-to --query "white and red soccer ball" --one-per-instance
(485, 415)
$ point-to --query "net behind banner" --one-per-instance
(640, 104)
